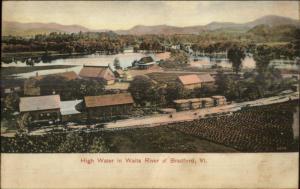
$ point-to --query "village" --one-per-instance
(116, 102)
(217, 87)
(50, 109)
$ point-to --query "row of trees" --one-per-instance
(110, 42)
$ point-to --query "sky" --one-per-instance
(124, 15)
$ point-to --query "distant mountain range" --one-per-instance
(16, 28)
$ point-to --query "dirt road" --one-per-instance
(152, 121)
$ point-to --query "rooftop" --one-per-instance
(69, 107)
(146, 60)
(195, 79)
(96, 72)
(189, 79)
(108, 100)
(39, 103)
(119, 71)
(206, 78)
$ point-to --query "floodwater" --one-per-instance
(95, 59)
(205, 62)
(125, 59)
(248, 63)
(296, 123)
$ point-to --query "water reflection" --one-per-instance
(206, 62)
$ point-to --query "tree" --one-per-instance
(140, 88)
(24, 121)
(117, 64)
(99, 146)
(221, 81)
(179, 57)
(174, 91)
(262, 56)
(90, 87)
(236, 55)
(11, 102)
(52, 84)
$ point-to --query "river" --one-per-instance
(247, 63)
(126, 60)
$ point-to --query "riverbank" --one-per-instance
(6, 71)
(36, 56)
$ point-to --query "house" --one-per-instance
(190, 81)
(196, 81)
(99, 73)
(219, 100)
(41, 108)
(108, 106)
(146, 63)
(206, 80)
(72, 111)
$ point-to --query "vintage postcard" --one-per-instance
(150, 94)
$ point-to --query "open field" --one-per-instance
(144, 140)
(255, 129)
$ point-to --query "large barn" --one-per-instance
(146, 63)
(196, 81)
(41, 108)
(99, 73)
(107, 106)
(190, 81)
